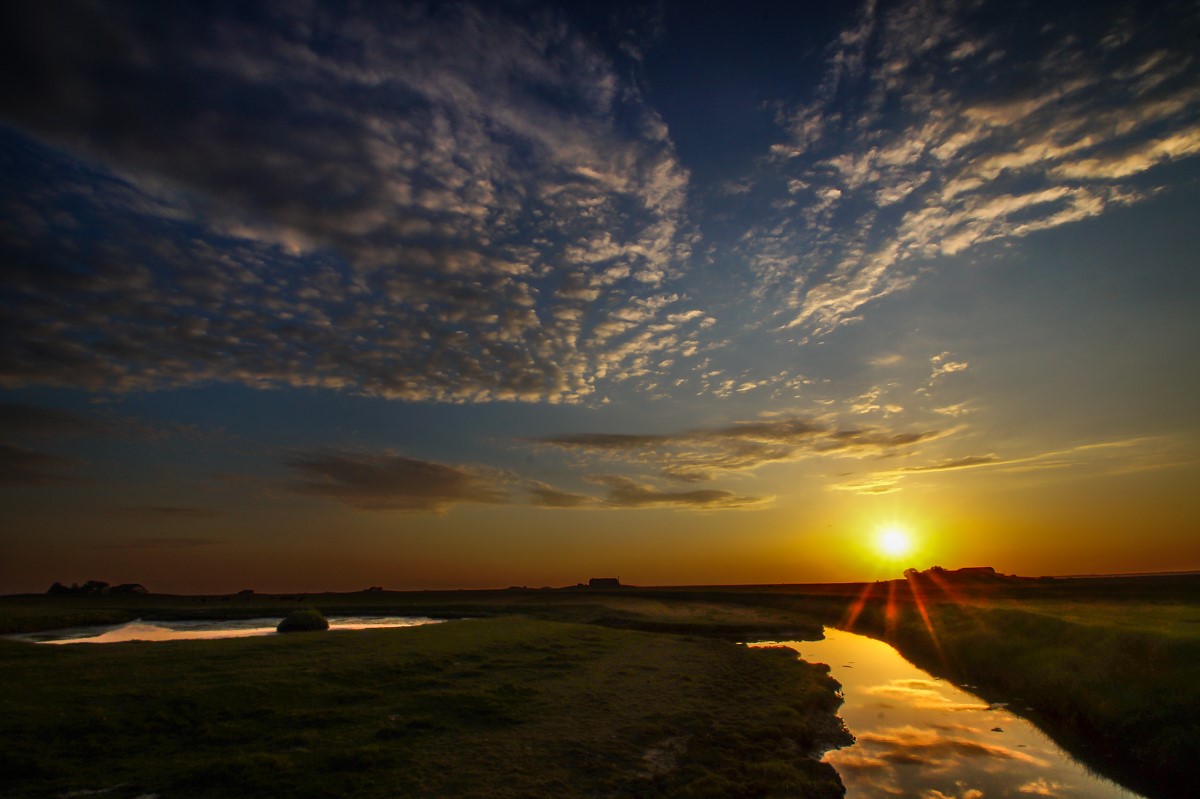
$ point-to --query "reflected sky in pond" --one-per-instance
(921, 737)
(139, 630)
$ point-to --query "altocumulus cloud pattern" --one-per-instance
(429, 203)
(450, 202)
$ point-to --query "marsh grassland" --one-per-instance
(1109, 668)
(599, 693)
(481, 708)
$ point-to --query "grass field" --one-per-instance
(708, 613)
(1113, 676)
(1110, 668)
(482, 708)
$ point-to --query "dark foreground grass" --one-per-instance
(1108, 667)
(29, 614)
(484, 708)
(709, 613)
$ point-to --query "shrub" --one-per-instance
(303, 620)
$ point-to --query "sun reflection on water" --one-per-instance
(918, 736)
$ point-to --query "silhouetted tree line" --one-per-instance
(97, 587)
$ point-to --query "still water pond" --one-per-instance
(918, 736)
(139, 630)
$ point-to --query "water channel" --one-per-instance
(139, 630)
(921, 737)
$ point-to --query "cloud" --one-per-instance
(420, 203)
(942, 365)
(546, 496)
(605, 441)
(1042, 787)
(930, 746)
(921, 694)
(855, 761)
(1119, 456)
(968, 462)
(697, 455)
(868, 402)
(25, 467)
(935, 131)
(967, 793)
(1134, 160)
(624, 492)
(871, 486)
(392, 482)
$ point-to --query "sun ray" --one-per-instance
(857, 607)
(919, 600)
(891, 612)
(958, 596)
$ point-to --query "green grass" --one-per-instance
(1106, 666)
(1160, 617)
(486, 708)
(1116, 683)
(21, 615)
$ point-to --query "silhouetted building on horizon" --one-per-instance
(604, 582)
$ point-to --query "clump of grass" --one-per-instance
(303, 620)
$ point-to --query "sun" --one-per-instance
(894, 541)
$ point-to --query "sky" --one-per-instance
(317, 296)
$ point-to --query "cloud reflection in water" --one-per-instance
(925, 738)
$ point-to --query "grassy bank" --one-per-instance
(495, 707)
(1115, 681)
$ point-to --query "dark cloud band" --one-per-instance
(392, 482)
(697, 455)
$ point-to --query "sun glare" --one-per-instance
(894, 541)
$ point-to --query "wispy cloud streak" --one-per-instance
(940, 127)
(698, 455)
(625, 492)
(1119, 456)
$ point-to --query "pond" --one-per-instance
(139, 630)
(919, 736)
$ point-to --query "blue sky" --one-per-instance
(469, 287)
